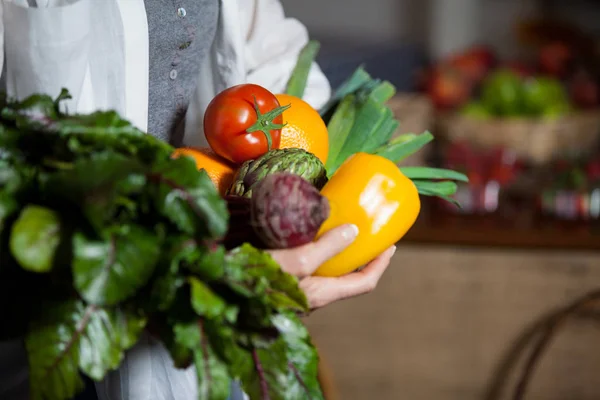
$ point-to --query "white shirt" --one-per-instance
(98, 50)
(100, 53)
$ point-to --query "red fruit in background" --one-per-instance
(554, 59)
(593, 170)
(584, 90)
(448, 88)
(561, 166)
(474, 63)
(462, 156)
(503, 174)
(520, 68)
(475, 178)
(482, 53)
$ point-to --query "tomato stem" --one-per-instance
(264, 122)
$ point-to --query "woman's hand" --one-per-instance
(304, 260)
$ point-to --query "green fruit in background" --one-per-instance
(502, 93)
(476, 110)
(557, 110)
(542, 94)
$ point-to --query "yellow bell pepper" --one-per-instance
(370, 192)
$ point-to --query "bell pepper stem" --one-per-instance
(264, 122)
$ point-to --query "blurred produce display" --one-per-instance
(525, 131)
(504, 185)
(572, 190)
(490, 173)
(553, 81)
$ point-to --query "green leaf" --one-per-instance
(302, 356)
(369, 117)
(450, 200)
(432, 173)
(188, 198)
(98, 184)
(225, 342)
(297, 82)
(14, 177)
(169, 278)
(270, 377)
(383, 134)
(339, 128)
(252, 273)
(383, 92)
(285, 369)
(208, 264)
(357, 80)
(435, 192)
(204, 301)
(380, 135)
(397, 151)
(35, 237)
(39, 103)
(72, 336)
(181, 356)
(62, 96)
(214, 380)
(107, 131)
(444, 188)
(111, 270)
(164, 290)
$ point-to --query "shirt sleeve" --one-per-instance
(273, 43)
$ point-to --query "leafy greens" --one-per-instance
(104, 236)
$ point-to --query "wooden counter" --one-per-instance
(521, 232)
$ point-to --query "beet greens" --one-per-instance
(103, 236)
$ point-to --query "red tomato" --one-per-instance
(236, 130)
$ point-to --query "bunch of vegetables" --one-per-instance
(107, 233)
(357, 181)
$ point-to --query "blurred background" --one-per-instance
(495, 300)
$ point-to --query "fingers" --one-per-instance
(322, 291)
(304, 260)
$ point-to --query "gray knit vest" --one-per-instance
(181, 34)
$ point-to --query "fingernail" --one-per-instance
(393, 250)
(350, 232)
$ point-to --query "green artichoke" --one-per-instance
(295, 161)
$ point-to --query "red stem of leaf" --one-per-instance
(264, 388)
(187, 197)
(112, 253)
(204, 346)
(78, 332)
(184, 193)
(300, 380)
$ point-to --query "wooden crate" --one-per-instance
(536, 140)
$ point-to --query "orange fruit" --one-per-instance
(218, 169)
(304, 127)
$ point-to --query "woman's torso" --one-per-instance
(181, 33)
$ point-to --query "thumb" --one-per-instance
(304, 260)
